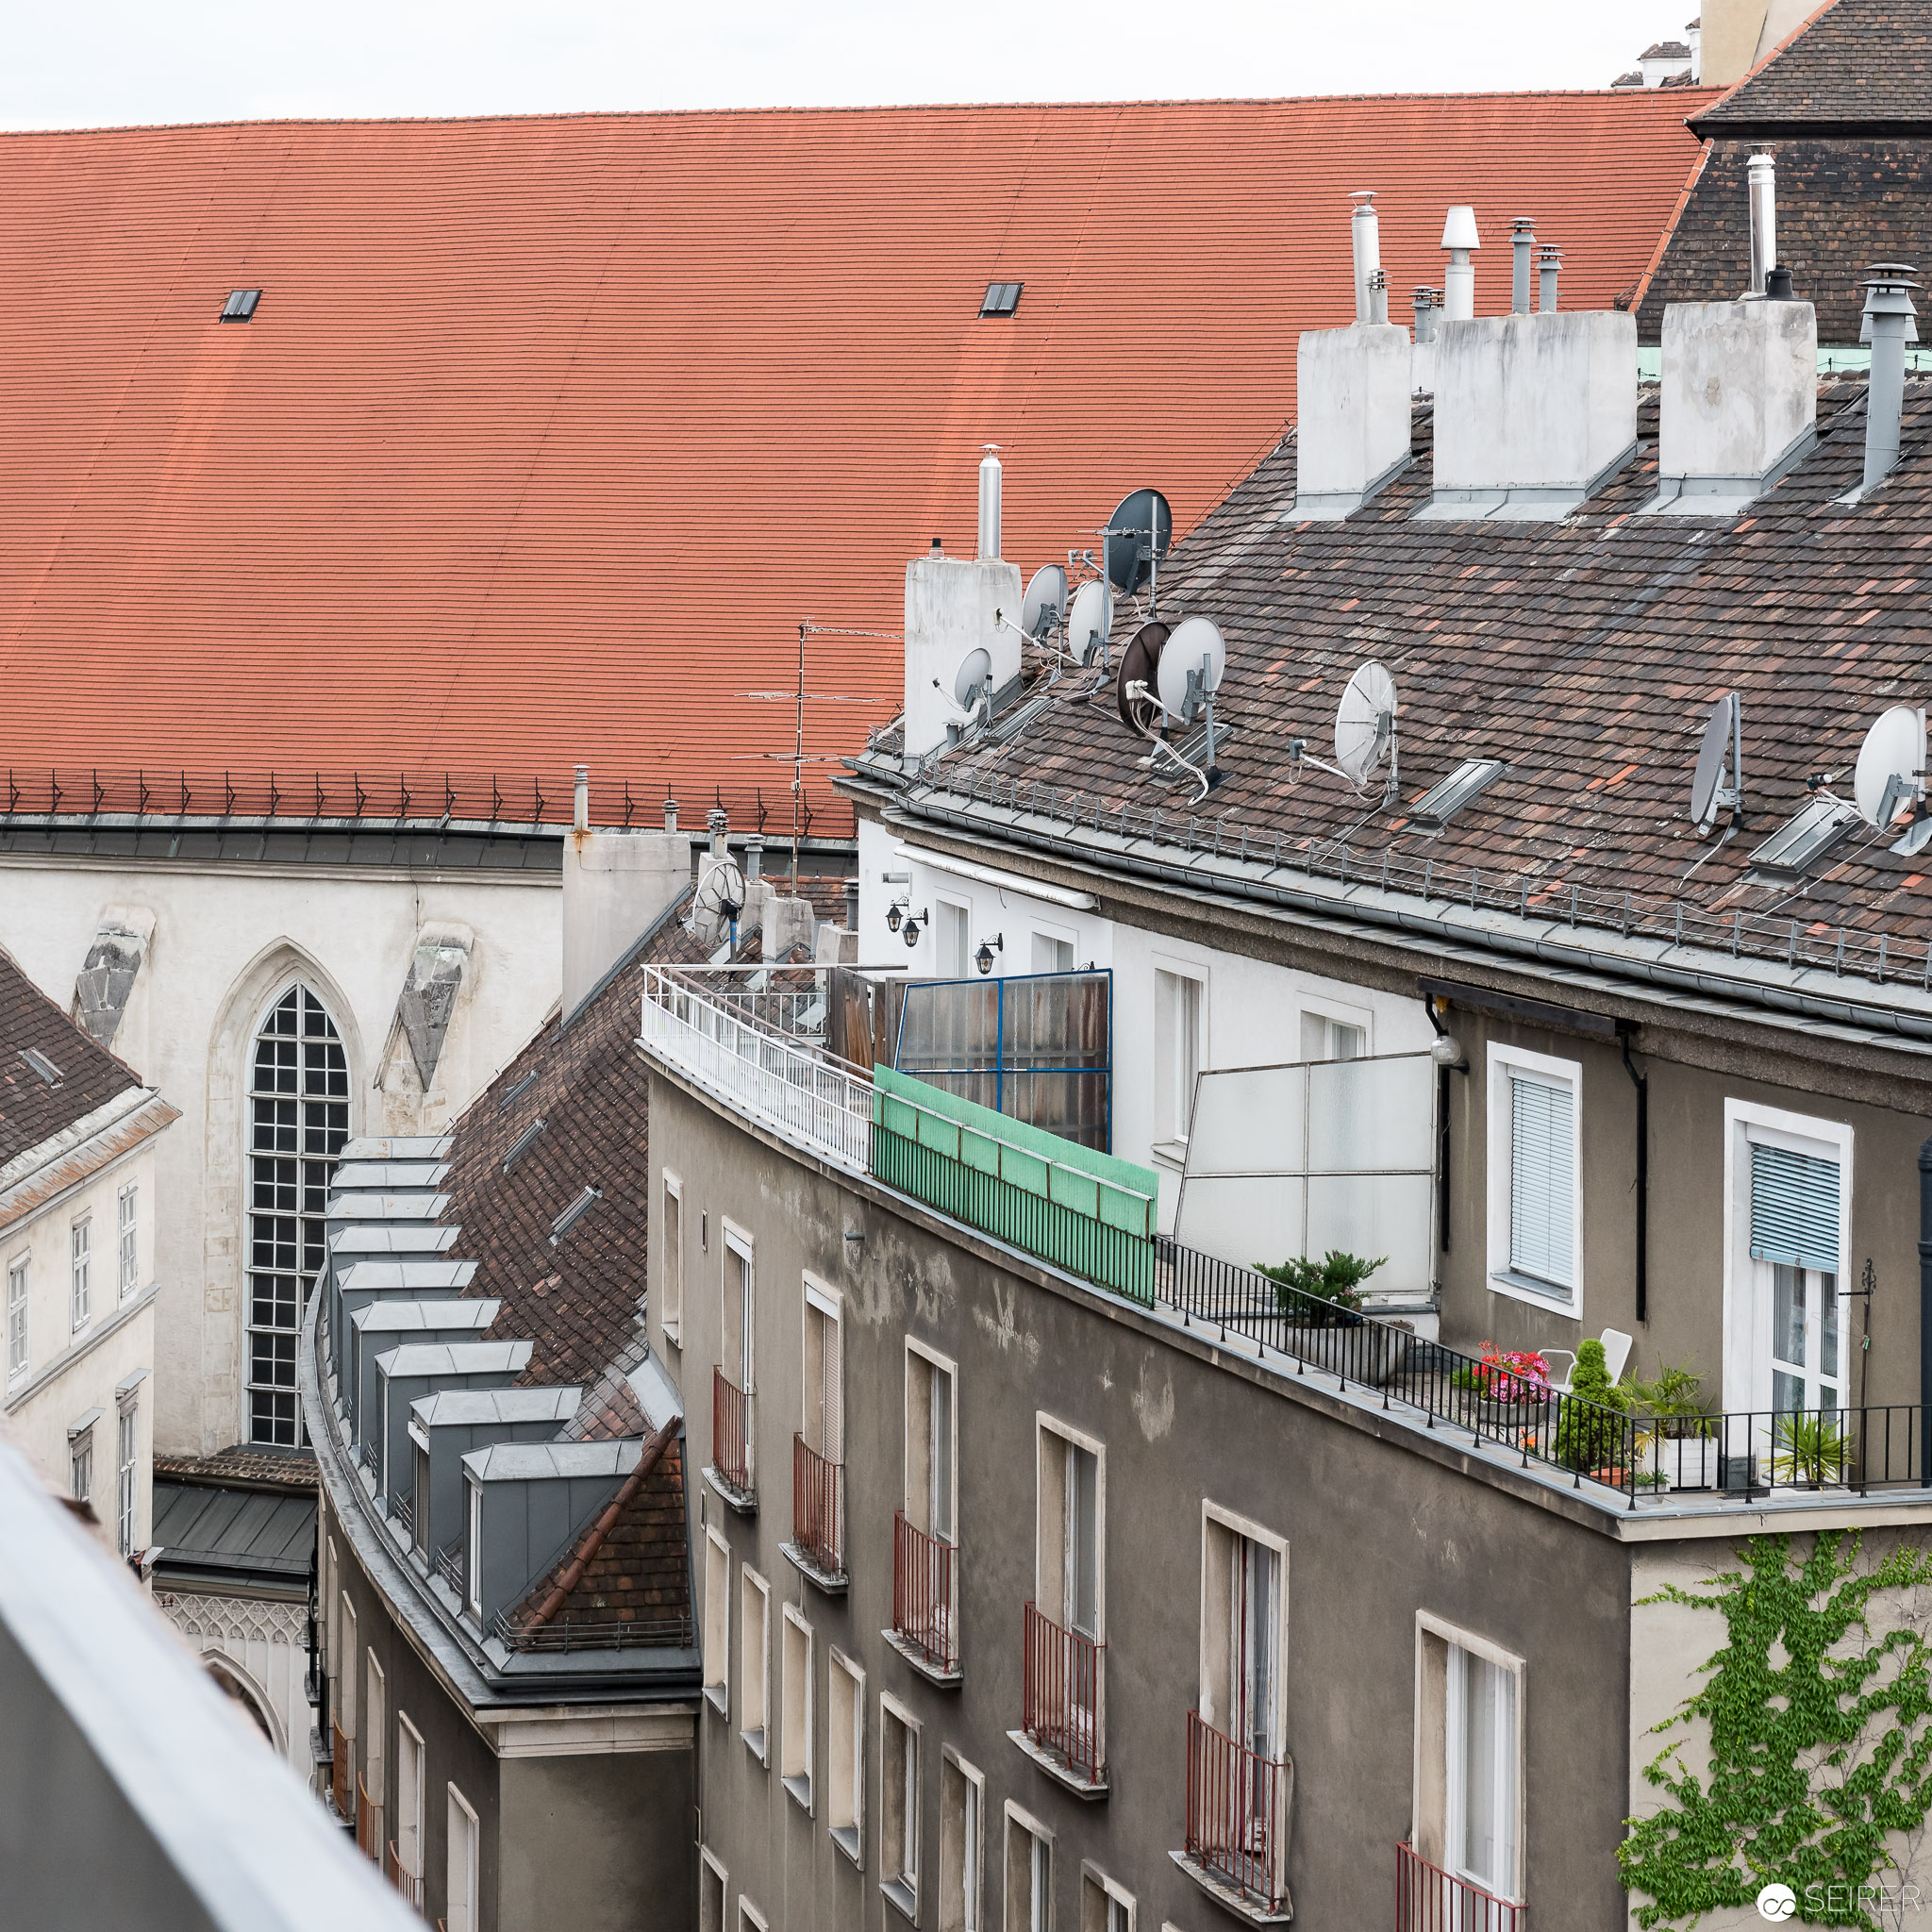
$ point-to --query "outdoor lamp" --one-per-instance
(983, 958)
(911, 932)
(893, 916)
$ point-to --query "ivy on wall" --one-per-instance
(1821, 1742)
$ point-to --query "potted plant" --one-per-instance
(1592, 1434)
(1676, 1440)
(1323, 1303)
(1808, 1447)
(1507, 1389)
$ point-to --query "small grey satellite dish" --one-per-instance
(1137, 534)
(1045, 602)
(1191, 667)
(1365, 722)
(1718, 783)
(975, 668)
(1090, 620)
(1891, 766)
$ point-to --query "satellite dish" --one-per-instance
(721, 892)
(974, 669)
(1191, 640)
(1709, 793)
(1365, 722)
(1090, 620)
(1045, 602)
(1137, 534)
(1891, 765)
(1140, 664)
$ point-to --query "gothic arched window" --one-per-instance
(299, 1111)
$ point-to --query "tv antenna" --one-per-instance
(1137, 538)
(1889, 783)
(1718, 784)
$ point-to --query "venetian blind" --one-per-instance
(1542, 1180)
(1794, 1209)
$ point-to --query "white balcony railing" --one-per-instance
(751, 1064)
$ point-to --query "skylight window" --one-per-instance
(519, 1087)
(574, 1213)
(42, 1065)
(239, 305)
(1002, 298)
(1440, 802)
(1797, 848)
(521, 1144)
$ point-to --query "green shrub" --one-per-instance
(1589, 1427)
(1336, 1280)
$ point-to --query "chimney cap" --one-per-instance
(937, 549)
(1364, 195)
(1459, 230)
(1522, 224)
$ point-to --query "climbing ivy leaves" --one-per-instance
(1821, 1741)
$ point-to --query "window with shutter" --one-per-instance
(1794, 1209)
(1542, 1180)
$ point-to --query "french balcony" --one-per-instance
(817, 1548)
(368, 1824)
(407, 1882)
(732, 1472)
(1237, 1807)
(1063, 1705)
(926, 1603)
(338, 1771)
(1428, 1899)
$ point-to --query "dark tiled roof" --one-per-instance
(1859, 62)
(242, 1466)
(31, 1110)
(1585, 653)
(1841, 203)
(1666, 50)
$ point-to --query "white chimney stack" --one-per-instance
(615, 884)
(1764, 176)
(990, 504)
(1458, 281)
(1889, 325)
(580, 811)
(1365, 236)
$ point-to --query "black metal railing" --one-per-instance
(449, 1566)
(1737, 1454)
(565, 1633)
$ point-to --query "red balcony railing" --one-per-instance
(731, 1432)
(923, 1610)
(1238, 1814)
(367, 1823)
(818, 1507)
(1064, 1696)
(338, 1770)
(1428, 1899)
(407, 1882)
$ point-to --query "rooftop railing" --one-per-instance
(1738, 1454)
(742, 1054)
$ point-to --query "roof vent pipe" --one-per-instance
(1424, 315)
(990, 504)
(581, 813)
(1458, 283)
(1887, 325)
(670, 813)
(1378, 298)
(719, 822)
(1522, 239)
(1365, 238)
(1548, 265)
(1764, 173)
(753, 856)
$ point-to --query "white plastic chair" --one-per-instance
(1617, 1347)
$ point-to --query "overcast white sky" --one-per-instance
(134, 60)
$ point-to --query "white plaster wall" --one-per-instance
(261, 1642)
(227, 941)
(103, 1355)
(1253, 1009)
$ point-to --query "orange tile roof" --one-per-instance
(549, 432)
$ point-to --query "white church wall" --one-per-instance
(226, 940)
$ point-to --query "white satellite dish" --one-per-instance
(1191, 666)
(970, 682)
(1365, 722)
(1089, 622)
(1045, 602)
(721, 891)
(1891, 766)
(1717, 782)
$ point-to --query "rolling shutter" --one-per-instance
(1794, 1209)
(1542, 1180)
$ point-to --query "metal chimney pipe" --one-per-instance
(1365, 239)
(720, 822)
(754, 856)
(670, 813)
(1764, 176)
(990, 504)
(580, 814)
(1548, 264)
(1424, 315)
(1458, 282)
(1378, 298)
(1523, 240)
(1887, 325)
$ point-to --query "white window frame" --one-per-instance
(1097, 1888)
(1334, 1013)
(127, 1469)
(900, 1885)
(1174, 1112)
(80, 1259)
(19, 1315)
(376, 1735)
(755, 1663)
(1018, 1917)
(828, 1305)
(916, 1455)
(464, 1838)
(798, 1714)
(749, 1918)
(80, 1464)
(845, 1797)
(349, 1674)
(127, 1238)
(1052, 1591)
(1054, 935)
(739, 1247)
(411, 1796)
(717, 1641)
(1429, 1828)
(472, 1555)
(671, 1271)
(712, 1871)
(1503, 1280)
(960, 968)
(962, 1855)
(1747, 1329)
(1214, 1617)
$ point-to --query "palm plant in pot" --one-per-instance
(1321, 1301)
(1677, 1442)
